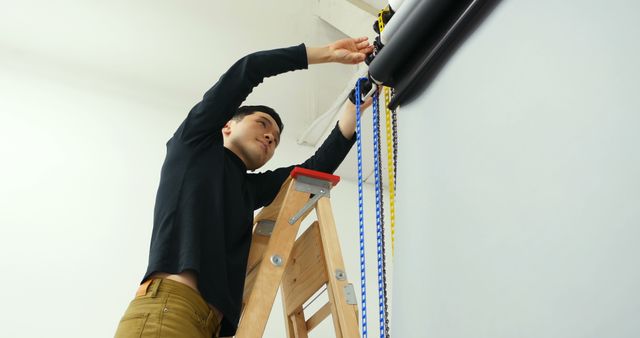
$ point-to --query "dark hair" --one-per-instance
(248, 110)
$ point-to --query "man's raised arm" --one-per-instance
(220, 102)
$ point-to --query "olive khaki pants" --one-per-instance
(165, 308)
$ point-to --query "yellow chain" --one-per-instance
(380, 20)
(392, 194)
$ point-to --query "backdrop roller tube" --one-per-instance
(423, 44)
(417, 28)
(417, 76)
(400, 16)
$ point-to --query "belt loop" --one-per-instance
(142, 289)
(155, 285)
(210, 318)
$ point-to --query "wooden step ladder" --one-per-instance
(302, 267)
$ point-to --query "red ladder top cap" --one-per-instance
(299, 171)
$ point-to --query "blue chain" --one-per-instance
(363, 279)
(376, 165)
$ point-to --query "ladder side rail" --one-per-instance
(347, 314)
(260, 301)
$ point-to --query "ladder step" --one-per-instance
(319, 316)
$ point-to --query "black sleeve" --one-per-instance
(326, 159)
(219, 103)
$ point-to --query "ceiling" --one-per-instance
(176, 49)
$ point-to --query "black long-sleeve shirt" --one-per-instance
(205, 202)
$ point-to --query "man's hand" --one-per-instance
(347, 51)
(350, 51)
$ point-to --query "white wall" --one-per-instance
(80, 169)
(522, 220)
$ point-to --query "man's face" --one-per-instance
(254, 138)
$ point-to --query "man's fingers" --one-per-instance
(367, 50)
(363, 44)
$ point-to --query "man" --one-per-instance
(205, 202)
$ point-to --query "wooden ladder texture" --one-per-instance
(300, 267)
